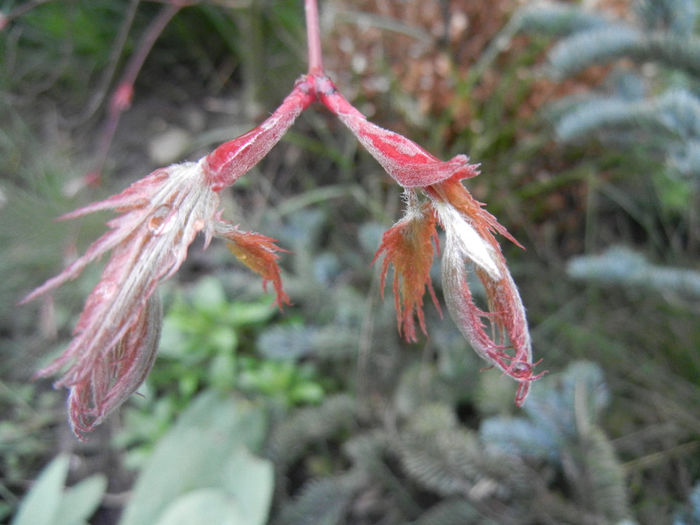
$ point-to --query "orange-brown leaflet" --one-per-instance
(259, 253)
(408, 247)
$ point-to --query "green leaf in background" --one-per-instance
(48, 504)
(203, 450)
(222, 371)
(250, 480)
(81, 500)
(244, 498)
(208, 295)
(203, 506)
(41, 503)
(245, 314)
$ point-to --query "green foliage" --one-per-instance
(281, 381)
(57, 46)
(205, 467)
(50, 503)
(206, 343)
(201, 336)
(503, 474)
(636, 137)
(677, 16)
(666, 35)
(673, 117)
(297, 341)
(34, 191)
(27, 412)
(206, 340)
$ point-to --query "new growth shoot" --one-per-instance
(116, 337)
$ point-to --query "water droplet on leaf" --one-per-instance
(158, 219)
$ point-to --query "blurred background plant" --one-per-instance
(585, 121)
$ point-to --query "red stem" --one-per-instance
(126, 82)
(113, 62)
(313, 33)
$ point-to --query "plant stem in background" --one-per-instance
(123, 93)
(108, 75)
(18, 11)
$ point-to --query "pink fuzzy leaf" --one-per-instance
(506, 343)
(115, 375)
(232, 159)
(409, 164)
(116, 335)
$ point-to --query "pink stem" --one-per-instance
(313, 33)
(19, 11)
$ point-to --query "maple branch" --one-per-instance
(313, 33)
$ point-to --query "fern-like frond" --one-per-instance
(446, 464)
(421, 383)
(366, 448)
(598, 477)
(686, 159)
(519, 437)
(562, 428)
(321, 502)
(603, 45)
(443, 457)
(677, 16)
(369, 453)
(553, 422)
(453, 511)
(600, 45)
(681, 111)
(292, 436)
(557, 19)
(671, 51)
(673, 115)
(431, 418)
(599, 114)
(621, 266)
(567, 400)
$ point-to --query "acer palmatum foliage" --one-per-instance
(116, 337)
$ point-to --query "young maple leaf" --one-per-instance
(257, 252)
(469, 231)
(116, 337)
(469, 238)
